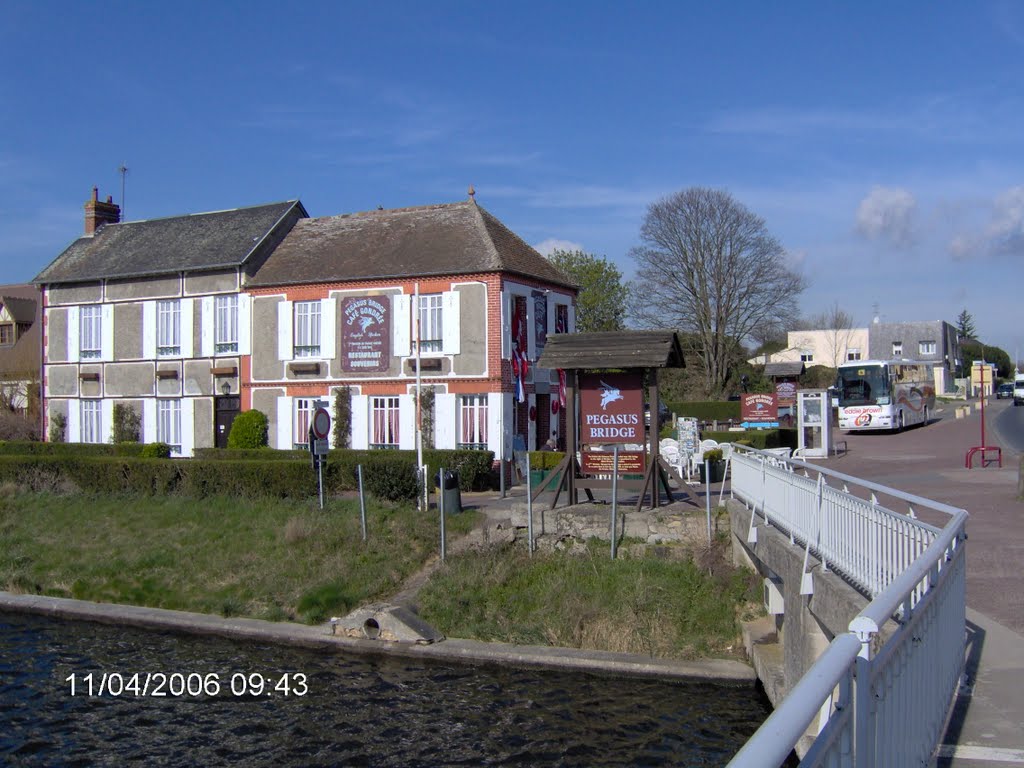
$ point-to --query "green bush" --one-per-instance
(545, 460)
(246, 454)
(756, 438)
(127, 424)
(155, 451)
(712, 410)
(248, 430)
(391, 476)
(33, 448)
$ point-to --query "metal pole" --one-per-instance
(440, 475)
(707, 494)
(362, 500)
(615, 499)
(529, 504)
(501, 473)
(320, 477)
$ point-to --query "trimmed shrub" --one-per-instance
(712, 410)
(32, 448)
(391, 476)
(155, 451)
(249, 430)
(342, 431)
(58, 428)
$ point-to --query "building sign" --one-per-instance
(611, 408)
(785, 392)
(759, 407)
(366, 334)
(603, 462)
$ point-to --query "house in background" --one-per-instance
(20, 351)
(343, 299)
(829, 347)
(933, 341)
(153, 315)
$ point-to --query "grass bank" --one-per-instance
(264, 558)
(682, 609)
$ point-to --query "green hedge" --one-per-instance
(34, 448)
(387, 474)
(721, 410)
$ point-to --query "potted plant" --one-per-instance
(714, 457)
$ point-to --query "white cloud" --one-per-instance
(552, 244)
(887, 213)
(1006, 230)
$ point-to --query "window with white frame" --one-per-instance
(225, 333)
(431, 322)
(303, 412)
(897, 349)
(384, 422)
(926, 347)
(90, 336)
(168, 328)
(853, 353)
(92, 421)
(307, 329)
(473, 422)
(168, 423)
(806, 356)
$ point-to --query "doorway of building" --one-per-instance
(226, 408)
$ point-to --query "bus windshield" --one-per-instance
(863, 385)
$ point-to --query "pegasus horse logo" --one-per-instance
(609, 395)
(365, 322)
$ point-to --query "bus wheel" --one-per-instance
(925, 416)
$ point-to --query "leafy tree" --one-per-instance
(127, 424)
(342, 417)
(965, 325)
(709, 266)
(58, 428)
(975, 350)
(601, 304)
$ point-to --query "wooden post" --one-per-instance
(655, 442)
(571, 435)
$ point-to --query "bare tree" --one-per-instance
(709, 266)
(838, 327)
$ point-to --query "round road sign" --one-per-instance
(321, 423)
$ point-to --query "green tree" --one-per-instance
(708, 266)
(127, 424)
(342, 417)
(965, 325)
(975, 350)
(601, 304)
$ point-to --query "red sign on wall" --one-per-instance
(759, 407)
(366, 334)
(611, 408)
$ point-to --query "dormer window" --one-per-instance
(6, 334)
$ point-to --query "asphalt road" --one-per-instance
(1009, 423)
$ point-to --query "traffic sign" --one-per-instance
(321, 424)
(320, 446)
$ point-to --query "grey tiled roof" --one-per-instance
(23, 302)
(613, 349)
(795, 368)
(445, 239)
(180, 243)
(21, 310)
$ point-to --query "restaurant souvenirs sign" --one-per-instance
(365, 334)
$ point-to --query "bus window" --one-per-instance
(863, 385)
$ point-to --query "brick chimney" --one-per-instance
(97, 214)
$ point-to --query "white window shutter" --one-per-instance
(496, 422)
(285, 349)
(188, 426)
(74, 326)
(106, 420)
(445, 421)
(506, 325)
(328, 328)
(207, 324)
(107, 332)
(149, 330)
(149, 420)
(284, 422)
(360, 422)
(401, 335)
(451, 323)
(406, 423)
(244, 324)
(74, 433)
(187, 329)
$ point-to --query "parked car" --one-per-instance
(1005, 390)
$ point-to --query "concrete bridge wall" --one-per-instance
(810, 622)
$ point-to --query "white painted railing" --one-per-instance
(877, 703)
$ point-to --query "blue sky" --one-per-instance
(881, 142)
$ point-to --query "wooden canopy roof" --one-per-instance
(613, 349)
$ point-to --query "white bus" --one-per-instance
(885, 394)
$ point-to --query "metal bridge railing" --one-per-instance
(876, 703)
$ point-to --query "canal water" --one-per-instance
(170, 700)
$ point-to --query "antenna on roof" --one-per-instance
(123, 170)
(472, 194)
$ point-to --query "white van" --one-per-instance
(1018, 389)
